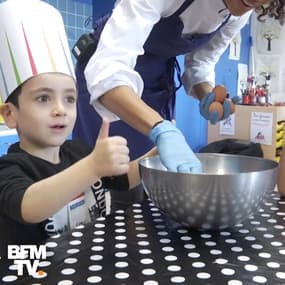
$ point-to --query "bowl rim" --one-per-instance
(205, 154)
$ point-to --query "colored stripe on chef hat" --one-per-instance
(32, 62)
(12, 57)
(34, 40)
(3, 80)
(52, 62)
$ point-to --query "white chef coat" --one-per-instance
(127, 29)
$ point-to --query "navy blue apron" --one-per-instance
(157, 68)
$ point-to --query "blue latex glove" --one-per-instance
(213, 117)
(174, 152)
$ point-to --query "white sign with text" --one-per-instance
(261, 127)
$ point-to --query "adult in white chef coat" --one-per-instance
(131, 74)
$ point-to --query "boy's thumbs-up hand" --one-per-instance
(111, 154)
(104, 130)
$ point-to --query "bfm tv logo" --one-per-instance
(27, 256)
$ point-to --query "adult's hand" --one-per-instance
(174, 152)
(214, 114)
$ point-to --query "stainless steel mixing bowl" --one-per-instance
(230, 189)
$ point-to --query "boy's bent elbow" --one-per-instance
(29, 216)
(32, 210)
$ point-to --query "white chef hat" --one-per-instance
(33, 41)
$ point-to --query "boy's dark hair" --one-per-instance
(273, 10)
(14, 96)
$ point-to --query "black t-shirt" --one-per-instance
(18, 170)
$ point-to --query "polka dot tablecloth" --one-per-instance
(140, 245)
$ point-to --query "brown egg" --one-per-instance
(220, 92)
(217, 106)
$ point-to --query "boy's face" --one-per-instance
(47, 110)
(240, 7)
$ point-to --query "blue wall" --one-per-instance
(194, 127)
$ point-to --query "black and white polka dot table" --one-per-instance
(140, 245)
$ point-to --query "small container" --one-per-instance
(246, 100)
(252, 99)
(261, 99)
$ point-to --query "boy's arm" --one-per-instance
(133, 174)
(281, 175)
(44, 198)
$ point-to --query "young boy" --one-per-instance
(48, 184)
